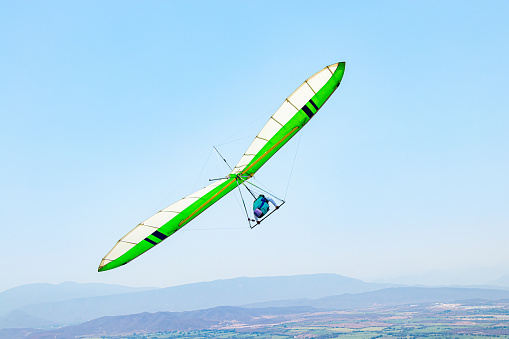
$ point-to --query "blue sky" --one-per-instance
(109, 111)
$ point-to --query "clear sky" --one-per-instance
(109, 111)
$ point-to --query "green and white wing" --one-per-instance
(164, 223)
(293, 114)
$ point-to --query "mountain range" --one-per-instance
(230, 317)
(19, 296)
(230, 292)
(42, 306)
(160, 321)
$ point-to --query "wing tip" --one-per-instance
(105, 266)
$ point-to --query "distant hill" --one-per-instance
(502, 281)
(230, 292)
(391, 296)
(221, 317)
(16, 297)
(19, 319)
(161, 321)
(471, 277)
(329, 291)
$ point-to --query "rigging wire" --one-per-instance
(254, 197)
(214, 229)
(229, 142)
(202, 169)
(224, 141)
(268, 192)
(266, 189)
(293, 164)
(220, 164)
(226, 162)
(244, 203)
(176, 187)
(235, 195)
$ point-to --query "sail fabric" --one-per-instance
(158, 227)
(294, 113)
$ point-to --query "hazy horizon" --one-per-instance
(432, 279)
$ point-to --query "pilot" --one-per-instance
(261, 206)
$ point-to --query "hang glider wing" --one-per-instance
(164, 223)
(293, 114)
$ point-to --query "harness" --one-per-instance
(261, 203)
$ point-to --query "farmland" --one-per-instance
(465, 320)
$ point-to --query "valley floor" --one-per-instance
(466, 320)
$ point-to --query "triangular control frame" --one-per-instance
(251, 221)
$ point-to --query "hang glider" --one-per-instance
(294, 113)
